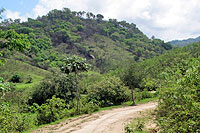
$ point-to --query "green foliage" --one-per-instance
(179, 105)
(16, 78)
(25, 71)
(139, 125)
(110, 90)
(80, 27)
(12, 121)
(54, 109)
(87, 79)
(4, 87)
(75, 64)
(134, 75)
(87, 106)
(115, 36)
(140, 95)
(11, 40)
(70, 33)
(61, 85)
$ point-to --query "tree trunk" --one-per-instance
(77, 93)
(133, 99)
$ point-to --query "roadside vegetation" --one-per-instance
(66, 64)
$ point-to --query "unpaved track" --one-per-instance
(109, 121)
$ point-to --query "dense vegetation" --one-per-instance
(175, 76)
(51, 78)
(105, 44)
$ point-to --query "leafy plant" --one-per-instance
(75, 65)
(16, 78)
(110, 90)
(12, 121)
(60, 85)
(51, 111)
(179, 105)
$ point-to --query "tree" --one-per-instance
(75, 65)
(99, 17)
(133, 78)
(90, 15)
(11, 40)
(1, 11)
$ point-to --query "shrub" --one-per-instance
(54, 109)
(140, 95)
(87, 106)
(179, 106)
(12, 121)
(108, 90)
(61, 85)
(16, 78)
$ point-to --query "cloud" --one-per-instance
(16, 15)
(168, 20)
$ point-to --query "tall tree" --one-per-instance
(75, 65)
(133, 78)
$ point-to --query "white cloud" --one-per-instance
(166, 19)
(16, 15)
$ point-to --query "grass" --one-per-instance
(25, 70)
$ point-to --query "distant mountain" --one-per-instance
(181, 43)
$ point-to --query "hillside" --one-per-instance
(181, 43)
(30, 76)
(43, 77)
(106, 44)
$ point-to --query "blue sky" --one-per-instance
(165, 19)
(22, 6)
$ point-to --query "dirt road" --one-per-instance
(109, 121)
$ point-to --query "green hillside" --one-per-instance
(25, 71)
(68, 63)
(106, 44)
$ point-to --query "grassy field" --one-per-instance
(25, 71)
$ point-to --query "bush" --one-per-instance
(61, 85)
(143, 95)
(16, 79)
(179, 106)
(109, 90)
(87, 106)
(12, 121)
(54, 109)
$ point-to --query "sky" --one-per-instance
(165, 19)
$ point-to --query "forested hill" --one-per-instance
(181, 43)
(106, 44)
